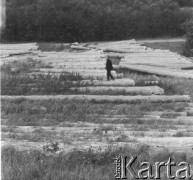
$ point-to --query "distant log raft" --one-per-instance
(20, 53)
(187, 67)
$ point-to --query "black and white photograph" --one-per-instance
(96, 89)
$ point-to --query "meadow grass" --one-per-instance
(77, 164)
(183, 134)
(26, 84)
(36, 136)
(22, 112)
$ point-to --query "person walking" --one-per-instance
(109, 68)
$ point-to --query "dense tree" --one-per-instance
(188, 26)
(185, 3)
(91, 20)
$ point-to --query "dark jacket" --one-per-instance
(109, 65)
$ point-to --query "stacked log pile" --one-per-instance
(89, 62)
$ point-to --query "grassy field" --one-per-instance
(68, 123)
(79, 164)
(26, 84)
(24, 112)
(82, 165)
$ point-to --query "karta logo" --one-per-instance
(124, 169)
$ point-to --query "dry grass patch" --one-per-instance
(22, 112)
(78, 164)
(138, 134)
(104, 129)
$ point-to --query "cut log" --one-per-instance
(187, 68)
(75, 43)
(178, 120)
(83, 72)
(77, 70)
(116, 82)
(79, 48)
(151, 82)
(115, 56)
(160, 71)
(20, 53)
(147, 90)
(185, 120)
(117, 50)
(172, 114)
(167, 113)
(93, 75)
(189, 112)
(108, 99)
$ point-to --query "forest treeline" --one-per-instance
(188, 27)
(93, 20)
(185, 3)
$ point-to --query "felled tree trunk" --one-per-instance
(116, 82)
(104, 98)
(142, 90)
